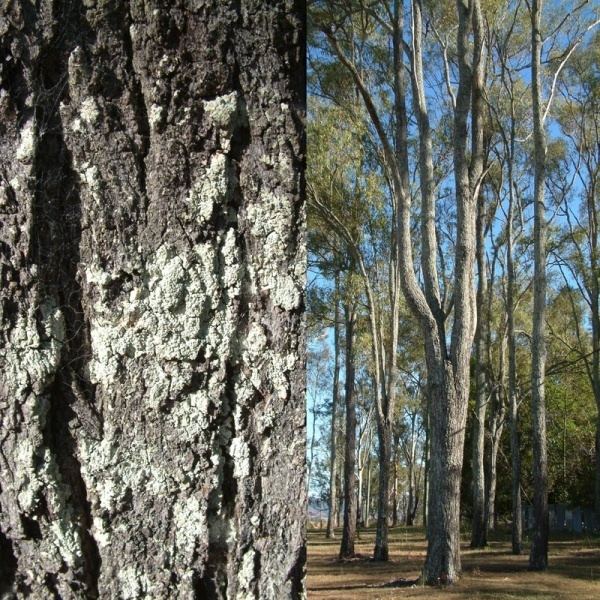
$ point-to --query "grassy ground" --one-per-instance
(490, 574)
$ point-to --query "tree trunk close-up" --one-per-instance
(153, 271)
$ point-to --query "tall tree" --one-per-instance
(350, 498)
(334, 406)
(538, 557)
(447, 363)
(579, 118)
(152, 396)
(479, 529)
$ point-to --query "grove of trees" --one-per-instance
(453, 189)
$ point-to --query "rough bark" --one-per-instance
(496, 429)
(152, 256)
(367, 513)
(594, 294)
(538, 557)
(349, 525)
(426, 472)
(384, 455)
(334, 404)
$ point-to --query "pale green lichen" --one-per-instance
(240, 453)
(27, 142)
(246, 575)
(4, 191)
(211, 189)
(224, 111)
(90, 176)
(190, 524)
(271, 222)
(90, 113)
(133, 583)
(155, 115)
(31, 358)
(166, 321)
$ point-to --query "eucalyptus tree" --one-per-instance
(510, 42)
(345, 28)
(538, 558)
(325, 260)
(349, 198)
(579, 24)
(339, 179)
(350, 498)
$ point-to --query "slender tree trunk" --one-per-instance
(496, 437)
(595, 306)
(334, 404)
(395, 492)
(359, 508)
(339, 499)
(538, 557)
(349, 527)
(426, 474)
(515, 448)
(384, 453)
(513, 399)
(154, 335)
(597, 468)
(412, 497)
(479, 530)
(368, 498)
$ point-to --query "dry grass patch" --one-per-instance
(489, 574)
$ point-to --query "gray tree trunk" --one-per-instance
(384, 455)
(367, 515)
(448, 372)
(426, 470)
(513, 400)
(395, 487)
(496, 428)
(479, 530)
(334, 404)
(152, 393)
(349, 525)
(538, 557)
(411, 509)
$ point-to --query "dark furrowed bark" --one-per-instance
(152, 403)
